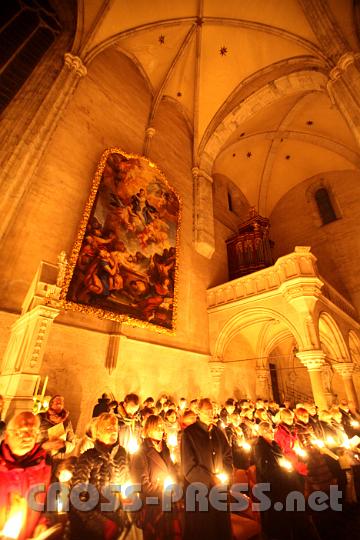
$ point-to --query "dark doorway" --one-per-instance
(274, 383)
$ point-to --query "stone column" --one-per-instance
(23, 357)
(16, 173)
(216, 370)
(314, 360)
(204, 236)
(345, 370)
(344, 90)
(263, 385)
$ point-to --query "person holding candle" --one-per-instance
(129, 422)
(206, 457)
(56, 432)
(23, 464)
(152, 467)
(101, 466)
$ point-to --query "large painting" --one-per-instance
(124, 263)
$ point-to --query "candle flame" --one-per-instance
(133, 446)
(223, 477)
(124, 489)
(172, 439)
(285, 464)
(65, 475)
(15, 522)
(354, 423)
(168, 481)
(246, 446)
(319, 443)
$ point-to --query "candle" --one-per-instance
(318, 442)
(172, 439)
(355, 423)
(168, 481)
(133, 445)
(44, 388)
(16, 520)
(124, 489)
(173, 457)
(59, 504)
(65, 476)
(330, 440)
(300, 452)
(246, 446)
(285, 464)
(223, 477)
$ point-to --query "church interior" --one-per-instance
(250, 112)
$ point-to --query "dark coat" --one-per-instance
(205, 453)
(241, 457)
(150, 468)
(279, 525)
(99, 466)
(102, 406)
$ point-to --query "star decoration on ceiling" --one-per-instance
(223, 51)
(249, 154)
(161, 39)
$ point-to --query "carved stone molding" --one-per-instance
(344, 369)
(313, 360)
(75, 64)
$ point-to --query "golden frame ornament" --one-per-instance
(124, 262)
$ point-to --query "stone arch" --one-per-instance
(297, 82)
(354, 348)
(247, 318)
(330, 334)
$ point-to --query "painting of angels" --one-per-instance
(124, 262)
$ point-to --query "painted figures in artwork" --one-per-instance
(127, 260)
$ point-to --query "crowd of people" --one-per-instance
(172, 469)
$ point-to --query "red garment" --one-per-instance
(17, 475)
(286, 440)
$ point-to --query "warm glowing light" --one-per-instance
(300, 452)
(15, 522)
(330, 440)
(318, 442)
(223, 477)
(285, 464)
(355, 423)
(173, 457)
(124, 489)
(133, 446)
(65, 475)
(172, 439)
(246, 446)
(168, 482)
(223, 425)
(59, 505)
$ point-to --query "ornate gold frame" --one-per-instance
(104, 313)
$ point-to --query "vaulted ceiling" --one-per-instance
(209, 56)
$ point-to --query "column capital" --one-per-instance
(344, 369)
(313, 360)
(75, 64)
(197, 172)
(216, 368)
(150, 132)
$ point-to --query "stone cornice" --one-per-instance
(75, 64)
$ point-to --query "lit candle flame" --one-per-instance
(133, 446)
(223, 477)
(124, 489)
(59, 505)
(285, 464)
(246, 446)
(300, 452)
(319, 443)
(173, 457)
(65, 475)
(15, 522)
(172, 439)
(330, 440)
(168, 481)
(355, 423)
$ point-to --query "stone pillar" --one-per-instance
(149, 133)
(263, 385)
(216, 371)
(314, 360)
(345, 370)
(344, 90)
(23, 357)
(204, 236)
(16, 173)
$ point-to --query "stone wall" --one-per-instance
(337, 244)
